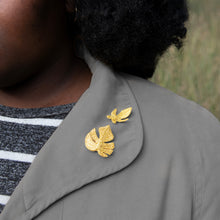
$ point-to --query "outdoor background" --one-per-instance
(194, 72)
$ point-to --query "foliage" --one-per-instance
(194, 71)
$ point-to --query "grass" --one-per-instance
(194, 72)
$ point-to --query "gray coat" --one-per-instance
(165, 164)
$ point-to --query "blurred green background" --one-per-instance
(194, 72)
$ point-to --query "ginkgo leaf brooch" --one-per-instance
(121, 117)
(93, 143)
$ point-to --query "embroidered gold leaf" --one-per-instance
(121, 117)
(93, 143)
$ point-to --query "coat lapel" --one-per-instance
(64, 164)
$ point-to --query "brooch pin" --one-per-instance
(121, 117)
(93, 143)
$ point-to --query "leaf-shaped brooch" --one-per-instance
(121, 117)
(93, 143)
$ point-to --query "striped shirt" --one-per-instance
(23, 132)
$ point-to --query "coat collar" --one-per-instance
(64, 164)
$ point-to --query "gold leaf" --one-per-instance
(93, 143)
(121, 117)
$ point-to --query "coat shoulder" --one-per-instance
(175, 124)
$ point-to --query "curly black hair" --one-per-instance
(131, 35)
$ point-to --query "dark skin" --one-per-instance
(38, 67)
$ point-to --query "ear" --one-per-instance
(70, 5)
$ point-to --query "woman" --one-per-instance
(101, 141)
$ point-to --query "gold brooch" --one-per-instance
(93, 143)
(121, 117)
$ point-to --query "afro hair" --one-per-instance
(131, 35)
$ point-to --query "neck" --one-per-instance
(61, 82)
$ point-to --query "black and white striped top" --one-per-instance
(23, 131)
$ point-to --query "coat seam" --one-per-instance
(61, 216)
(198, 186)
(23, 199)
